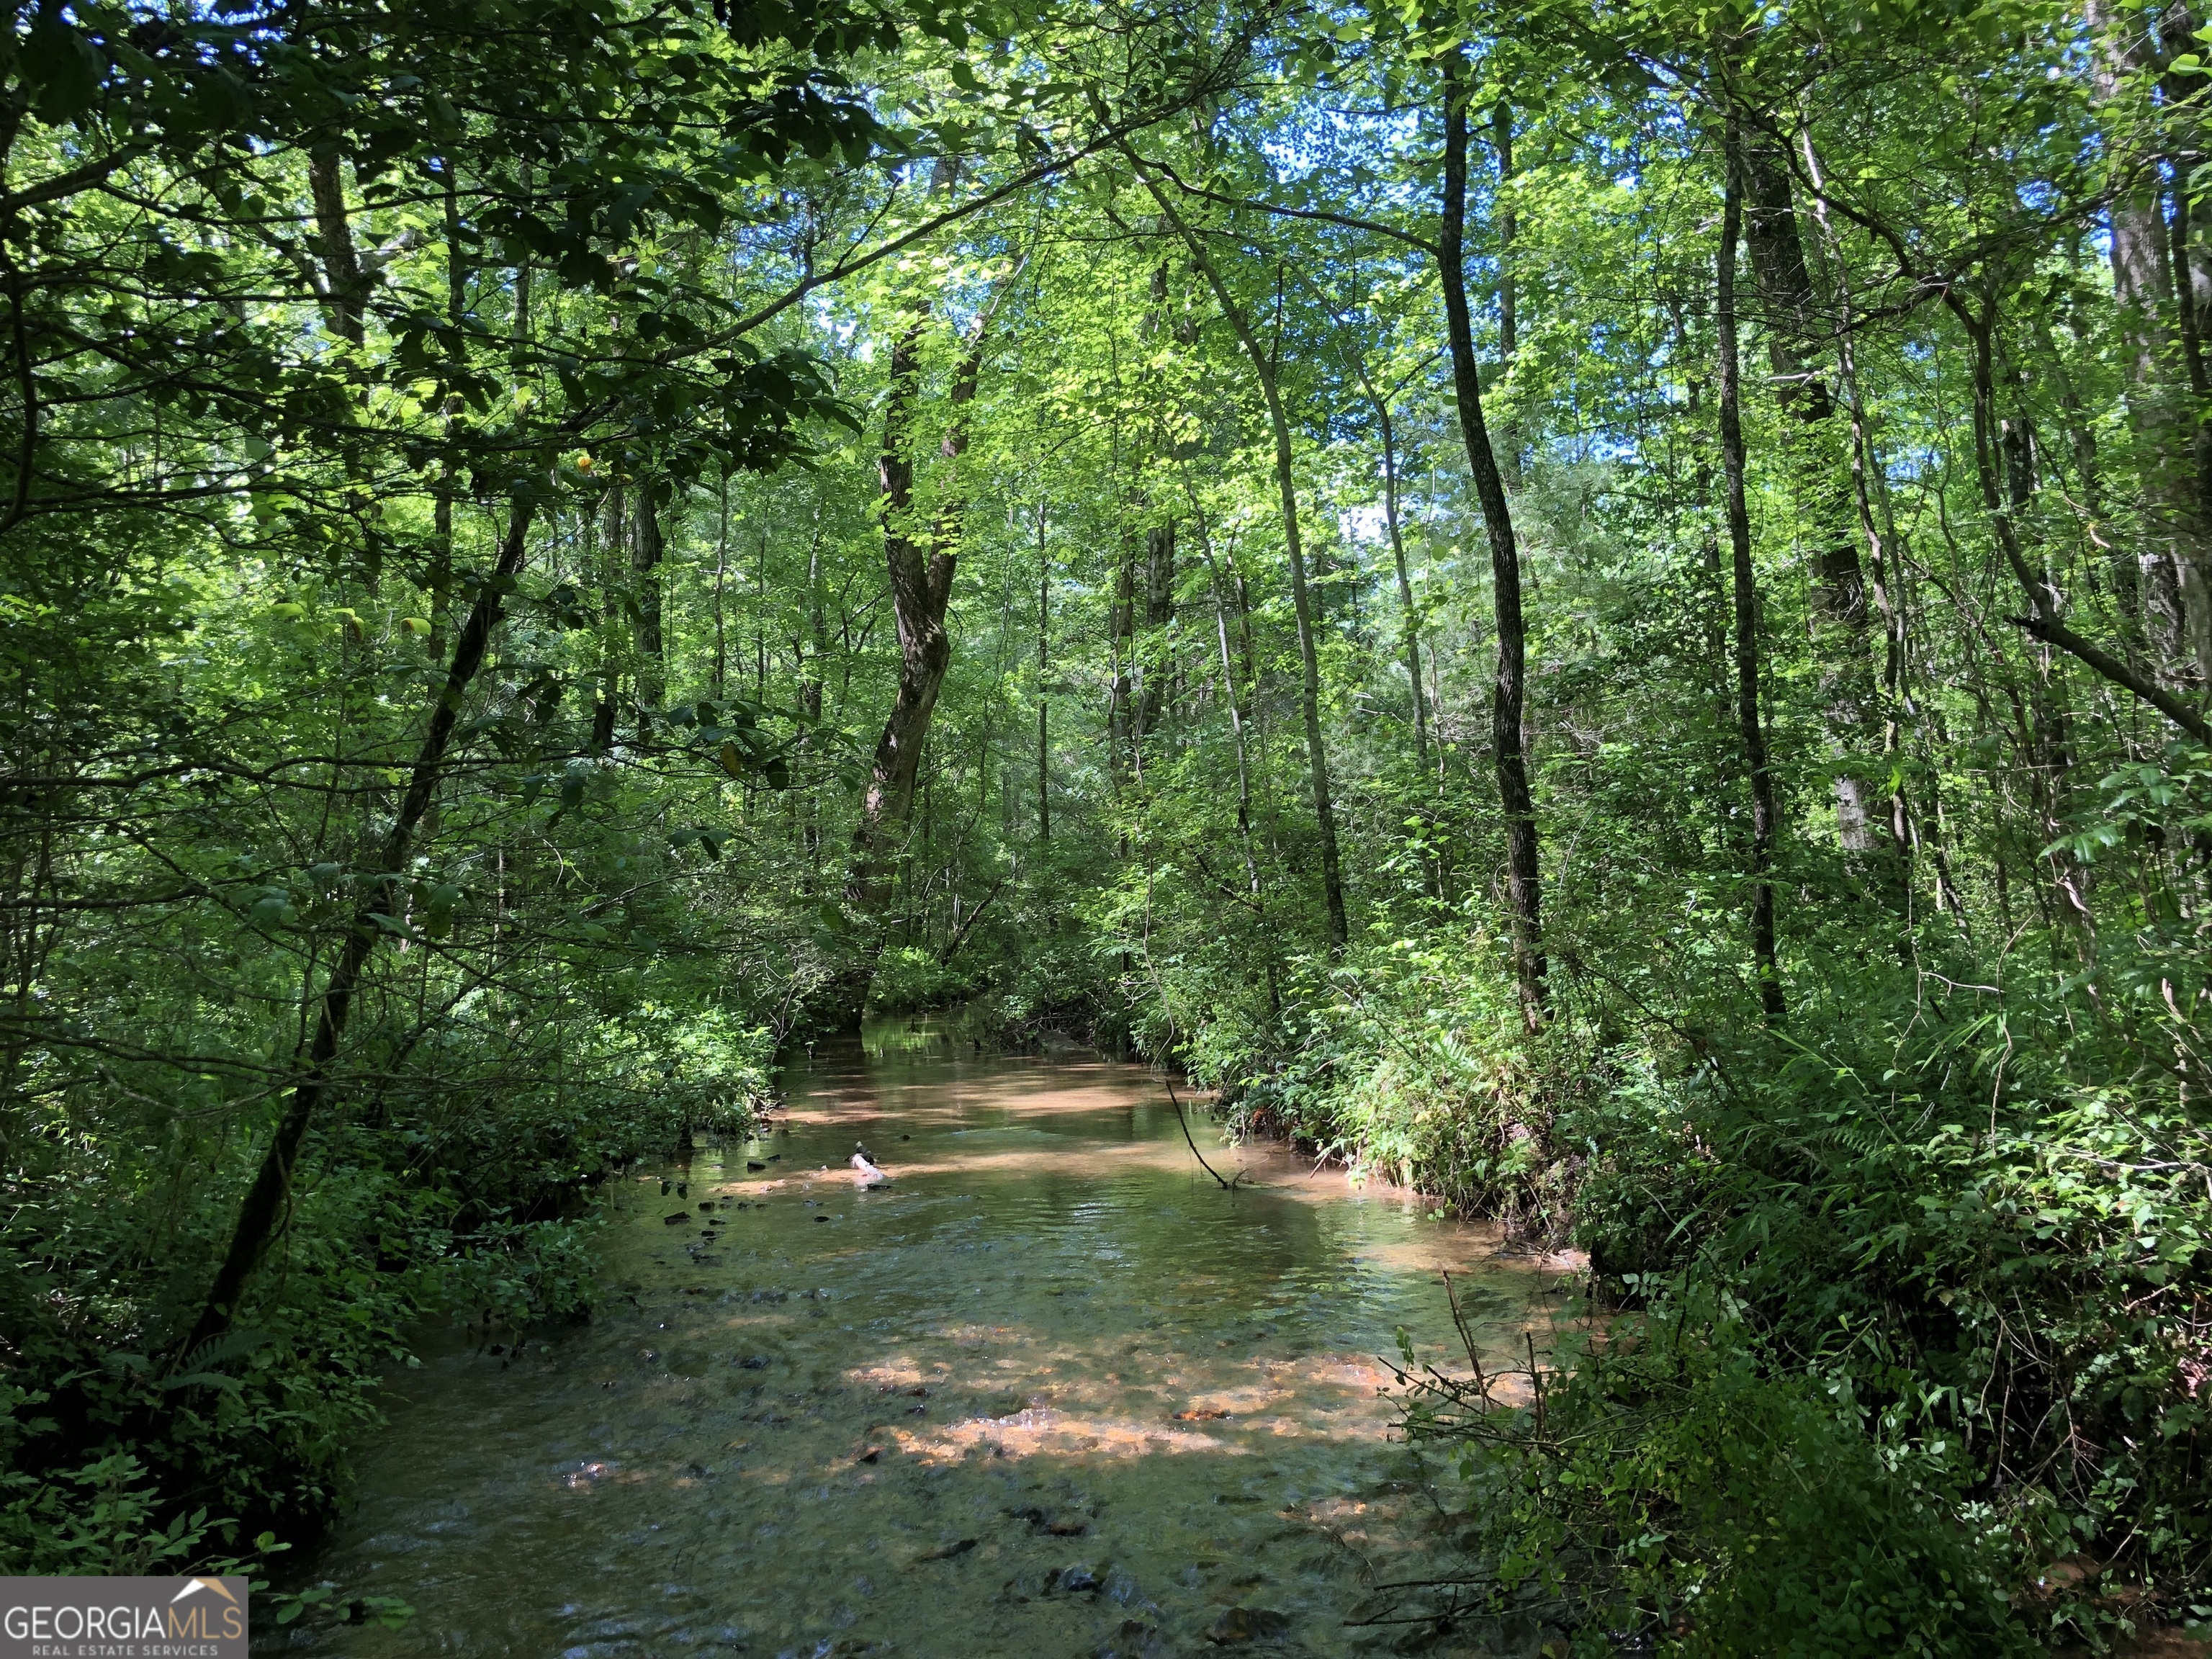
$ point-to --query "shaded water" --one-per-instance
(1050, 1392)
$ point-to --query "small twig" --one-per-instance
(1466, 1336)
(1226, 1185)
(1535, 1380)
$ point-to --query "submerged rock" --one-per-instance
(1241, 1624)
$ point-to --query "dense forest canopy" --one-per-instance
(1599, 609)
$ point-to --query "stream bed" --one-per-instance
(1049, 1392)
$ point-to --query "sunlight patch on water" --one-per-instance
(1050, 1387)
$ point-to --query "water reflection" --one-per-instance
(1049, 1391)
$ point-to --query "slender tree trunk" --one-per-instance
(442, 512)
(1508, 738)
(817, 624)
(1124, 757)
(1410, 628)
(1155, 667)
(1817, 463)
(518, 326)
(262, 1211)
(2177, 554)
(721, 573)
(2003, 498)
(616, 535)
(1749, 725)
(1263, 369)
(1508, 291)
(645, 553)
(1044, 667)
(1244, 774)
(1891, 874)
(1410, 615)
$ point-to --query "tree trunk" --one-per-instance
(920, 567)
(1818, 467)
(1263, 369)
(1410, 630)
(645, 550)
(1044, 702)
(1751, 731)
(1509, 290)
(1524, 886)
(1123, 755)
(266, 1199)
(1155, 672)
(2176, 555)
(615, 530)
(441, 584)
(1243, 773)
(345, 290)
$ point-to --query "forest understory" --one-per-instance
(1602, 610)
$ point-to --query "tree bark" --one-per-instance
(920, 567)
(260, 1215)
(1508, 289)
(1508, 734)
(1750, 729)
(345, 288)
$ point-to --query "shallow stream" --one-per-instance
(1049, 1392)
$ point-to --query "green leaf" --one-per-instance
(63, 68)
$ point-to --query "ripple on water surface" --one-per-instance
(1049, 1392)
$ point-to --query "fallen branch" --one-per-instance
(1226, 1185)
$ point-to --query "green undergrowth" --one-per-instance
(1403, 1066)
(124, 1452)
(910, 980)
(1900, 1337)
(1673, 1488)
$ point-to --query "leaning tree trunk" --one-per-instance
(258, 1217)
(1263, 369)
(1507, 732)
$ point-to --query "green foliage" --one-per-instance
(1671, 1487)
(1916, 1317)
(908, 979)
(1407, 1068)
(310, 303)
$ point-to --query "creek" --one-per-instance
(1049, 1391)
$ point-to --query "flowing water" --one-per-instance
(1047, 1391)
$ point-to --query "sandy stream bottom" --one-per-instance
(1049, 1392)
